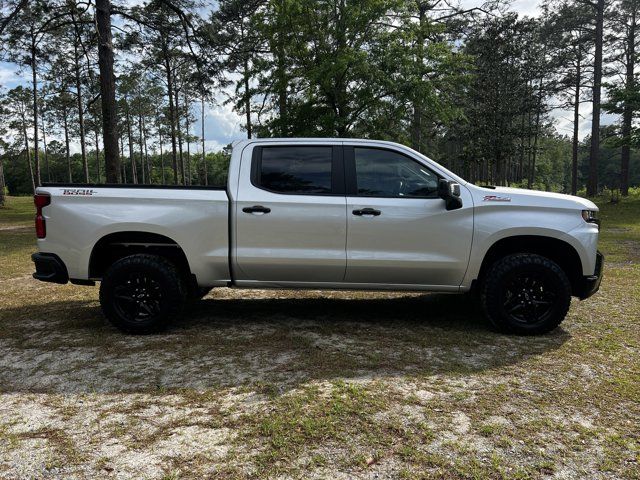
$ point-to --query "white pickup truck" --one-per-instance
(321, 214)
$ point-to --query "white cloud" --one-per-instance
(523, 7)
(213, 145)
(564, 121)
(527, 8)
(10, 75)
(222, 123)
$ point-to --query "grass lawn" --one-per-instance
(17, 236)
(271, 384)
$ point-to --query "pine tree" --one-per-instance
(624, 95)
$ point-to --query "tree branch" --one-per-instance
(5, 21)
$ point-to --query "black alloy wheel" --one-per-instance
(142, 293)
(529, 298)
(525, 294)
(138, 298)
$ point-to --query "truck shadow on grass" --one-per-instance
(238, 340)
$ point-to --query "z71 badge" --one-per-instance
(496, 198)
(78, 191)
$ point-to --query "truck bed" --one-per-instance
(196, 218)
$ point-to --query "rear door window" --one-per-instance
(296, 170)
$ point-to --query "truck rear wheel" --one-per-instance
(525, 294)
(141, 294)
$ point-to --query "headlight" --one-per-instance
(591, 216)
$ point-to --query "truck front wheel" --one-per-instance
(141, 293)
(525, 294)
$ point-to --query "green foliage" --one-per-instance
(471, 88)
(336, 69)
(218, 167)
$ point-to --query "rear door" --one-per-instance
(290, 218)
(399, 231)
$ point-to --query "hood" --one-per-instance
(523, 197)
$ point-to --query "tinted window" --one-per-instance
(383, 173)
(296, 169)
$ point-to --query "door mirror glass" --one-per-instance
(450, 192)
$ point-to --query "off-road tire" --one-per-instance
(525, 283)
(141, 294)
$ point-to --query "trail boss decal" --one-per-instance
(496, 198)
(78, 191)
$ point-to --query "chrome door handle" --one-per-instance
(367, 211)
(256, 209)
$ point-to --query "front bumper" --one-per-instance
(590, 284)
(49, 268)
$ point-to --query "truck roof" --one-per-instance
(315, 140)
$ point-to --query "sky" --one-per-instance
(523, 7)
(223, 125)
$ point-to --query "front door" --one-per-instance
(399, 231)
(290, 218)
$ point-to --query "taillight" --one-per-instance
(41, 200)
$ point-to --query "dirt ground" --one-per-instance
(279, 384)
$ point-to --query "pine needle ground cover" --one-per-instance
(276, 384)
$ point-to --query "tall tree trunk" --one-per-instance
(132, 158)
(523, 148)
(247, 99)
(67, 151)
(627, 114)
(172, 112)
(534, 153)
(26, 147)
(204, 154)
(576, 128)
(107, 91)
(592, 183)
(144, 174)
(44, 146)
(416, 122)
(520, 167)
(536, 134)
(247, 91)
(123, 167)
(162, 161)
(529, 144)
(158, 121)
(182, 177)
(146, 151)
(338, 95)
(2, 183)
(83, 141)
(281, 79)
(188, 128)
(34, 85)
(96, 132)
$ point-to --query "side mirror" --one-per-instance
(449, 191)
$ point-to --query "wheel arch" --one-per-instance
(555, 249)
(116, 245)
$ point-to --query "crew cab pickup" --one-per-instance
(321, 214)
